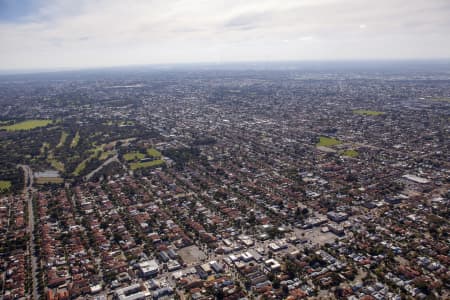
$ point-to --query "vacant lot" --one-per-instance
(365, 112)
(191, 254)
(27, 125)
(315, 236)
(327, 142)
(5, 185)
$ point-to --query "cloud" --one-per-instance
(85, 33)
(247, 21)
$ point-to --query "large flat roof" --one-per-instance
(416, 179)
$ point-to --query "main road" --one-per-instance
(28, 194)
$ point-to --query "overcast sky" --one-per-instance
(37, 34)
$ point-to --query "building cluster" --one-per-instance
(279, 186)
(15, 254)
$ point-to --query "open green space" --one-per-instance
(5, 185)
(62, 139)
(97, 152)
(44, 180)
(100, 153)
(350, 153)
(126, 123)
(147, 164)
(365, 112)
(27, 125)
(133, 156)
(153, 152)
(75, 140)
(56, 164)
(81, 166)
(325, 141)
(119, 123)
(45, 146)
(105, 154)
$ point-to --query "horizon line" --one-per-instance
(180, 65)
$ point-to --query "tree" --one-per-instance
(276, 283)
(291, 268)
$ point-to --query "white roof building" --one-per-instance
(148, 268)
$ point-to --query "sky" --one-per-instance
(54, 34)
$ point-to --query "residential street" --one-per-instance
(28, 193)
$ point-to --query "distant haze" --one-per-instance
(49, 34)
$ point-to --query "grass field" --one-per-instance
(62, 139)
(328, 142)
(105, 154)
(126, 123)
(81, 166)
(27, 125)
(147, 164)
(133, 156)
(5, 185)
(43, 180)
(153, 152)
(97, 152)
(56, 164)
(45, 145)
(350, 153)
(75, 140)
(100, 152)
(138, 156)
(365, 112)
